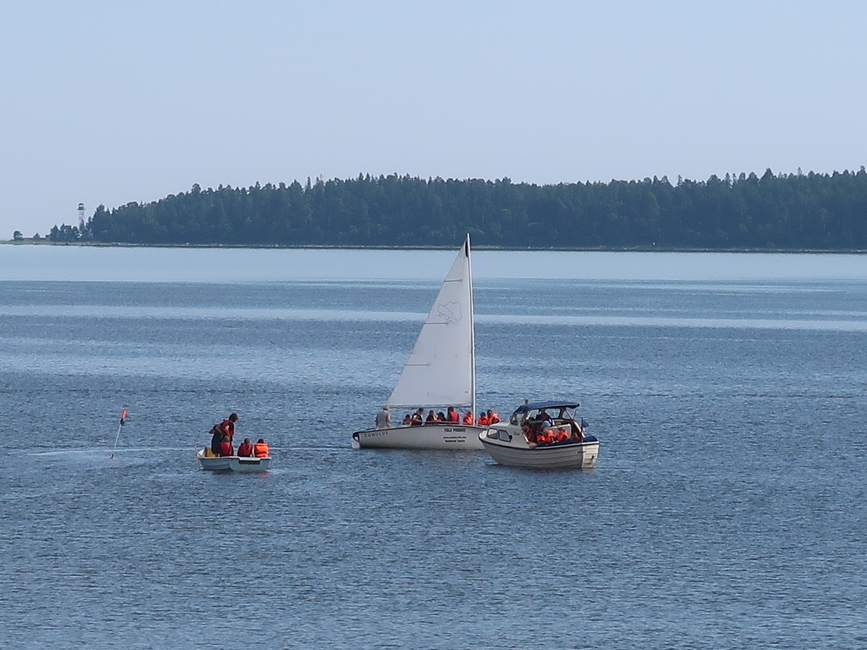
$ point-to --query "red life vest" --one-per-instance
(226, 448)
(245, 449)
(454, 416)
(260, 449)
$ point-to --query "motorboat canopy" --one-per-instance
(525, 411)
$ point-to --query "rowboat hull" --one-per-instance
(232, 463)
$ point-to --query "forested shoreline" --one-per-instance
(770, 212)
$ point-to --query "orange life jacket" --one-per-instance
(562, 434)
(468, 418)
(493, 419)
(260, 449)
(483, 420)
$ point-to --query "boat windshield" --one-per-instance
(558, 415)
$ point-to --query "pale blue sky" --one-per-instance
(111, 102)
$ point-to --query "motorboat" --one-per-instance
(542, 435)
(440, 372)
(213, 463)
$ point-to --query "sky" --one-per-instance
(111, 102)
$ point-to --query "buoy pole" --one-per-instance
(117, 437)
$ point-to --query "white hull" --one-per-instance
(517, 453)
(428, 436)
(232, 463)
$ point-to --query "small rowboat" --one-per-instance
(232, 463)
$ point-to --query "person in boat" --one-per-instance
(216, 439)
(407, 420)
(544, 437)
(417, 418)
(441, 417)
(383, 418)
(547, 433)
(431, 418)
(245, 448)
(528, 432)
(452, 415)
(468, 418)
(228, 426)
(483, 419)
(226, 447)
(261, 449)
(493, 418)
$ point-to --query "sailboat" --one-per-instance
(440, 372)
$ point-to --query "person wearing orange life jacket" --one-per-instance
(562, 434)
(468, 418)
(452, 415)
(544, 436)
(260, 449)
(483, 419)
(493, 418)
(245, 448)
(228, 426)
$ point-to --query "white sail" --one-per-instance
(441, 368)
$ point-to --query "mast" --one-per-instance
(472, 331)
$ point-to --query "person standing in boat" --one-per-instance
(245, 448)
(216, 439)
(228, 426)
(383, 418)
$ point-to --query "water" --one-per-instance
(727, 509)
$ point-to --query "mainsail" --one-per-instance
(441, 368)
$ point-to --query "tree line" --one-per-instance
(769, 212)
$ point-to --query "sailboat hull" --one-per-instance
(429, 436)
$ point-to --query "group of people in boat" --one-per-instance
(542, 431)
(221, 441)
(417, 418)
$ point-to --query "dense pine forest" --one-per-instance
(769, 212)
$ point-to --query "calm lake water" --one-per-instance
(727, 509)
